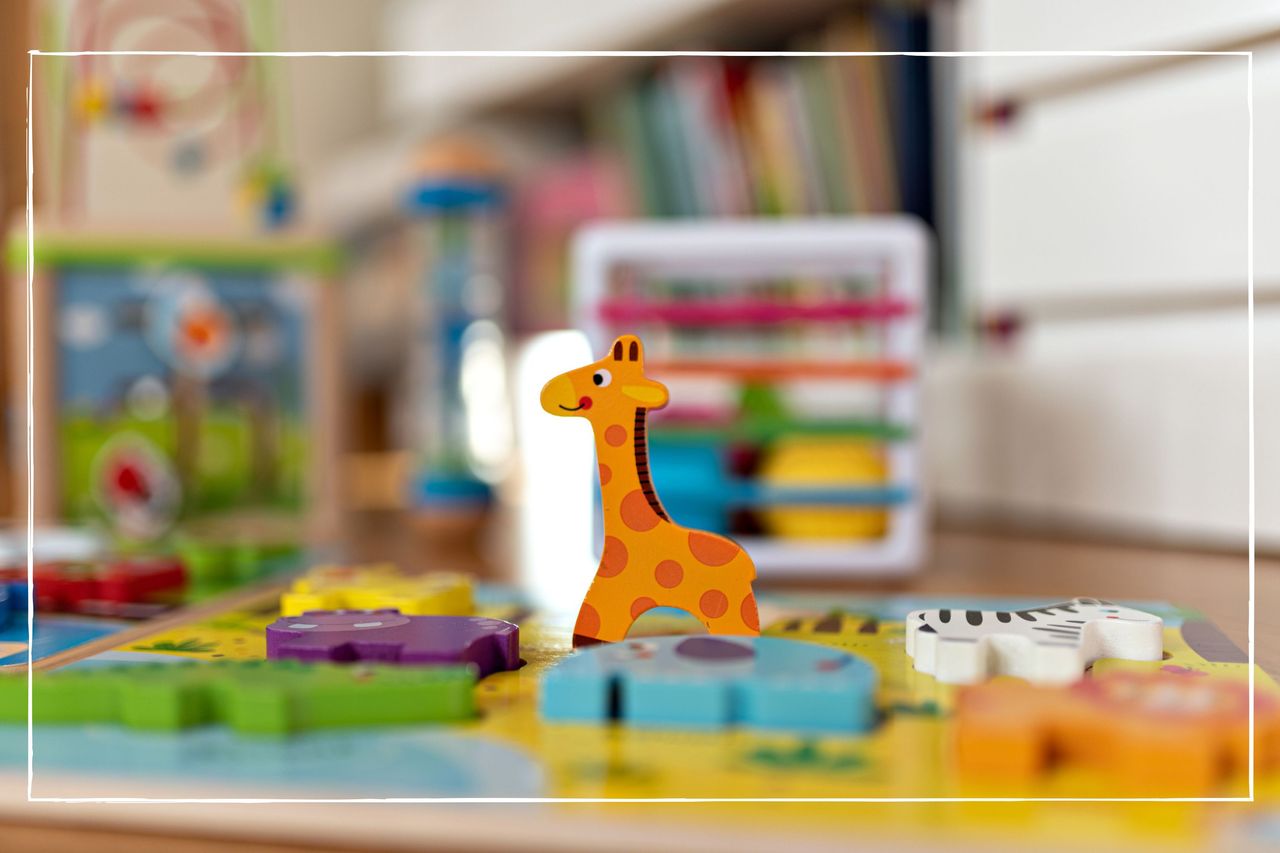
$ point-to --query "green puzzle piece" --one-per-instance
(255, 697)
(220, 564)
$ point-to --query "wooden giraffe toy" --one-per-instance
(648, 560)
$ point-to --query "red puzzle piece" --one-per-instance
(77, 587)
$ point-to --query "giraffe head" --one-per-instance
(607, 388)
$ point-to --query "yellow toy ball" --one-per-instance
(798, 462)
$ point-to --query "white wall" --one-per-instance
(1131, 194)
(333, 102)
(1141, 187)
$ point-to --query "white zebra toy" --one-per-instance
(1045, 645)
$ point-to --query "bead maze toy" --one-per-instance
(802, 342)
(648, 559)
(1045, 645)
(387, 636)
(181, 382)
(198, 135)
(377, 587)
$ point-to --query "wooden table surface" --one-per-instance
(963, 563)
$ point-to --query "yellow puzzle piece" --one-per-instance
(379, 586)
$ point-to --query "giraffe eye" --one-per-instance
(601, 378)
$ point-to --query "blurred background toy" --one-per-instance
(459, 415)
(207, 129)
(188, 381)
(799, 345)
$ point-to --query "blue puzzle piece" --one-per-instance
(399, 762)
(52, 635)
(714, 682)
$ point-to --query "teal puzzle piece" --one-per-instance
(256, 697)
(714, 682)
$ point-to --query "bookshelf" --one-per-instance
(554, 115)
(713, 137)
(452, 90)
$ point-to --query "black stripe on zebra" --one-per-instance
(1003, 616)
(973, 617)
(944, 615)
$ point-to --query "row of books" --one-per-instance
(797, 135)
(703, 136)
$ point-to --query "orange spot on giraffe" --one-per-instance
(636, 512)
(642, 604)
(668, 574)
(615, 436)
(588, 621)
(711, 550)
(606, 474)
(713, 603)
(614, 558)
(750, 615)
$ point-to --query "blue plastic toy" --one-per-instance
(714, 682)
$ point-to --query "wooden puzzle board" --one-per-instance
(510, 752)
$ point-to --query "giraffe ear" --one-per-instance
(628, 348)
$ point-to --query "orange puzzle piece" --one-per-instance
(648, 559)
(1153, 732)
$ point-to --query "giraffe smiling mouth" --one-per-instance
(583, 403)
(573, 408)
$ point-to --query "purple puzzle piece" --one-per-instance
(387, 636)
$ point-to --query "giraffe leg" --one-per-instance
(602, 618)
(735, 614)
